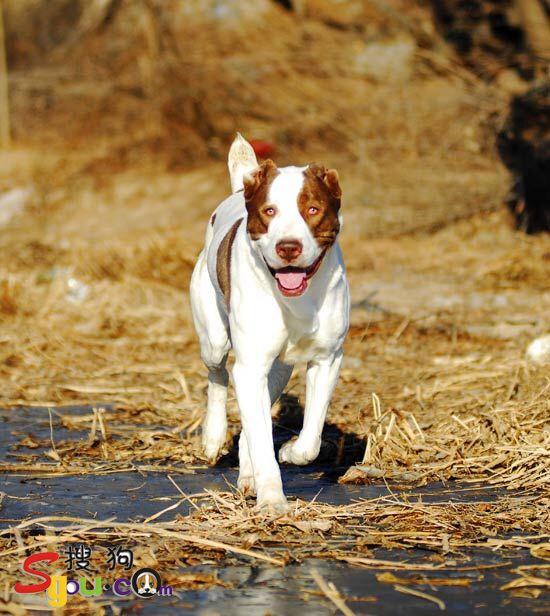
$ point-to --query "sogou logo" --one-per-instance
(145, 583)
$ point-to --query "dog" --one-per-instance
(270, 283)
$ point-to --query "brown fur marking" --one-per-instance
(223, 261)
(256, 188)
(321, 190)
(213, 220)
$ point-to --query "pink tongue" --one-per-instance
(290, 280)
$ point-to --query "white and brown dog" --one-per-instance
(270, 283)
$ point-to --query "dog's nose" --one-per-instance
(289, 249)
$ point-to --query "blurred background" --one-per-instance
(393, 90)
(116, 120)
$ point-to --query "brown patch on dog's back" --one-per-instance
(256, 189)
(321, 190)
(223, 261)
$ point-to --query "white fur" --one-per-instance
(241, 160)
(269, 333)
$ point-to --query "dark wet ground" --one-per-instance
(255, 589)
(267, 590)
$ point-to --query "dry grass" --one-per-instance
(440, 343)
(434, 392)
(224, 527)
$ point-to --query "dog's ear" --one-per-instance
(329, 177)
(256, 178)
(241, 160)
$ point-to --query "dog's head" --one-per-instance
(293, 219)
(147, 584)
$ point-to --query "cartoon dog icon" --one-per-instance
(145, 583)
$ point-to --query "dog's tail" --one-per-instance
(241, 160)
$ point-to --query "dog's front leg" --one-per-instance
(250, 380)
(320, 382)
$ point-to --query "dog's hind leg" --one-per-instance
(278, 378)
(212, 329)
(214, 427)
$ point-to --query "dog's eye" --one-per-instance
(312, 210)
(269, 211)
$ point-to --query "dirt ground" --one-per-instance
(109, 217)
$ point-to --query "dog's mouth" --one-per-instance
(292, 281)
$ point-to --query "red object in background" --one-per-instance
(262, 149)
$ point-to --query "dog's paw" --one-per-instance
(212, 445)
(246, 485)
(271, 501)
(293, 452)
(273, 507)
